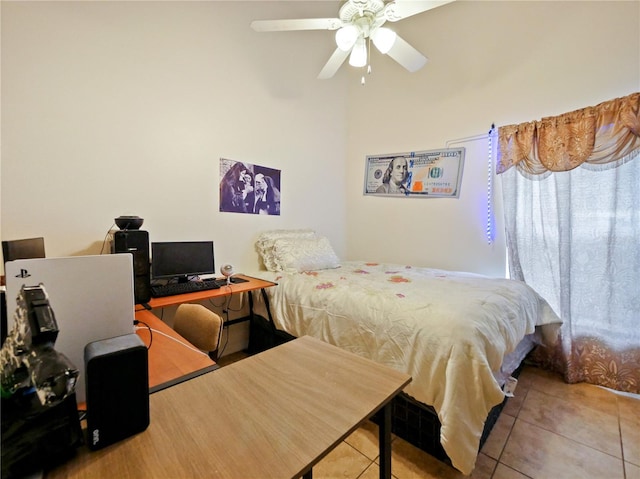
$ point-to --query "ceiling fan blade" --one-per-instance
(296, 24)
(406, 55)
(400, 9)
(335, 61)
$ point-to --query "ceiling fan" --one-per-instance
(360, 22)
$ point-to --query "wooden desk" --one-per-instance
(171, 360)
(171, 357)
(251, 284)
(275, 414)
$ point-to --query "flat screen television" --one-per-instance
(181, 260)
(23, 249)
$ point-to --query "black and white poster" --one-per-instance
(248, 188)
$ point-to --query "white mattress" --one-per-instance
(451, 331)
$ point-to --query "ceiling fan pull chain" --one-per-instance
(363, 81)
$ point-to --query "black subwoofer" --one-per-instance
(117, 387)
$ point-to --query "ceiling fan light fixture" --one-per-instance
(359, 21)
(358, 57)
(384, 38)
(346, 37)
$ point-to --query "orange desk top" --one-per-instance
(172, 359)
(250, 285)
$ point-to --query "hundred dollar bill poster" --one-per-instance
(424, 174)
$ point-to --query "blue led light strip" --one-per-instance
(490, 231)
(490, 227)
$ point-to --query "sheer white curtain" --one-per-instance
(574, 236)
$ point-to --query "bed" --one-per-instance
(459, 335)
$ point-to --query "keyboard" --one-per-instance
(171, 289)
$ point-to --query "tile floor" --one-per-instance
(548, 430)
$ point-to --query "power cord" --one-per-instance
(226, 338)
(226, 302)
(225, 307)
(241, 305)
(177, 341)
(219, 350)
(136, 322)
(106, 236)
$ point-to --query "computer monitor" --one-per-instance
(181, 259)
(23, 249)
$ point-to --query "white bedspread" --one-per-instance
(448, 330)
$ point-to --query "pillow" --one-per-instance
(265, 242)
(304, 254)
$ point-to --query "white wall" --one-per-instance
(499, 62)
(116, 108)
(112, 108)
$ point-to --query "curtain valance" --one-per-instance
(596, 135)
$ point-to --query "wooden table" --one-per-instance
(275, 414)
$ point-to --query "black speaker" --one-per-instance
(136, 242)
(117, 389)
